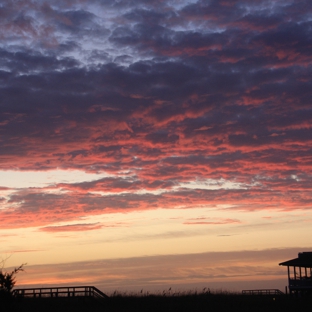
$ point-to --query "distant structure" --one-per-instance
(300, 274)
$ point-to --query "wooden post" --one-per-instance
(300, 273)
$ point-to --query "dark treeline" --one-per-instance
(226, 302)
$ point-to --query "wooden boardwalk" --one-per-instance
(262, 292)
(69, 291)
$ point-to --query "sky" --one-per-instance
(155, 144)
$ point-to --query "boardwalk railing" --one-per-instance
(262, 292)
(74, 291)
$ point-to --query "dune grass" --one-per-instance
(162, 302)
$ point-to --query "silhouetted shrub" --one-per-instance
(8, 281)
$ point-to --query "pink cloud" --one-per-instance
(73, 227)
(230, 103)
(33, 207)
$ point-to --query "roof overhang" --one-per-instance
(304, 260)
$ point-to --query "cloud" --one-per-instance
(157, 273)
(30, 208)
(157, 94)
(23, 250)
(72, 227)
(210, 221)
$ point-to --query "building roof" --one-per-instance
(304, 260)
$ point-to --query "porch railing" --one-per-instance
(262, 292)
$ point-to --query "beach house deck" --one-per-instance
(299, 273)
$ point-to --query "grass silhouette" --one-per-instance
(162, 302)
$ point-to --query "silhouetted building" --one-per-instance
(300, 273)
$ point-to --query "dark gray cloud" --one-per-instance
(156, 273)
(170, 91)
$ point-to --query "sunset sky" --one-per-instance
(155, 143)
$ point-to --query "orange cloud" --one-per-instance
(204, 221)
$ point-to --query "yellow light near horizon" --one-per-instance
(155, 232)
